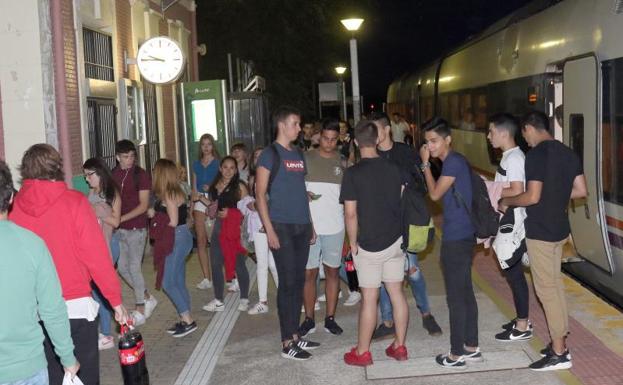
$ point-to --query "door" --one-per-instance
(152, 146)
(582, 133)
(102, 129)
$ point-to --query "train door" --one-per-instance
(582, 133)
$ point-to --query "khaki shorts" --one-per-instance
(387, 265)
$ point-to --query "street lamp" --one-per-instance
(353, 25)
(340, 71)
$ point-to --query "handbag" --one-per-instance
(212, 210)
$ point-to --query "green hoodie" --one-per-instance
(29, 291)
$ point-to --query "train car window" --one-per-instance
(612, 130)
(576, 131)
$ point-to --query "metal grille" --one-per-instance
(618, 6)
(98, 62)
(102, 130)
(151, 125)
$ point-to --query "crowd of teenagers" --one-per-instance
(299, 206)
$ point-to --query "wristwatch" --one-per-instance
(424, 166)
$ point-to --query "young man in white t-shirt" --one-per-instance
(502, 130)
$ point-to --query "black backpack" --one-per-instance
(484, 218)
(418, 229)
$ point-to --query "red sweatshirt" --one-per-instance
(64, 219)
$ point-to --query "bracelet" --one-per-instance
(424, 166)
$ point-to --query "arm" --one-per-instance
(437, 189)
(530, 197)
(172, 211)
(351, 220)
(579, 189)
(115, 217)
(515, 188)
(52, 309)
(143, 205)
(261, 186)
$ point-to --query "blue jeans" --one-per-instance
(418, 288)
(105, 311)
(39, 378)
(174, 279)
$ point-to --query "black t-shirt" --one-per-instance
(375, 184)
(407, 160)
(554, 164)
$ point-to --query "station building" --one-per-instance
(68, 78)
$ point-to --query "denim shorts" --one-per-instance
(327, 248)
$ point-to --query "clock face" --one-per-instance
(160, 60)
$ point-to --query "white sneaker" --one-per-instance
(138, 318)
(150, 305)
(259, 308)
(214, 305)
(243, 305)
(233, 286)
(205, 284)
(105, 342)
(353, 298)
(316, 307)
(323, 298)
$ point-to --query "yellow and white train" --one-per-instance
(566, 59)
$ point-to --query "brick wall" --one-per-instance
(124, 39)
(71, 81)
(170, 152)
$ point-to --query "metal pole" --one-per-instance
(231, 73)
(355, 79)
(344, 108)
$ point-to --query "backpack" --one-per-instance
(274, 169)
(481, 212)
(418, 229)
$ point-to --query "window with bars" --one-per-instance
(98, 61)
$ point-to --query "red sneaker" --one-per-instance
(399, 353)
(352, 358)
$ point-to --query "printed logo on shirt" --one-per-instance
(294, 165)
(337, 170)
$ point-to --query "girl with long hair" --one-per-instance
(106, 201)
(225, 247)
(171, 206)
(254, 229)
(204, 171)
(239, 152)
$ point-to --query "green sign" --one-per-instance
(204, 105)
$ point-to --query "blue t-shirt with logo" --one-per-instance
(288, 201)
(457, 224)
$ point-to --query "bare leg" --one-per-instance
(202, 243)
(367, 318)
(309, 292)
(401, 310)
(332, 286)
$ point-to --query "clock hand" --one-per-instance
(152, 58)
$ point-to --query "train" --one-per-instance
(561, 57)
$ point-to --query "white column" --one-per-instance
(354, 65)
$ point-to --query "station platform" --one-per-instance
(235, 348)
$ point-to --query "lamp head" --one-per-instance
(340, 70)
(352, 24)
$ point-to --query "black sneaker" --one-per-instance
(475, 356)
(185, 329)
(306, 344)
(308, 326)
(383, 332)
(546, 351)
(431, 326)
(330, 326)
(514, 335)
(293, 352)
(511, 324)
(552, 361)
(173, 328)
(445, 361)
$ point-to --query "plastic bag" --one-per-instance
(67, 380)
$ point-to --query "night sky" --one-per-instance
(295, 44)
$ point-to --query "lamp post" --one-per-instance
(340, 71)
(353, 25)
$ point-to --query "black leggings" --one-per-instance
(456, 260)
(290, 260)
(519, 286)
(216, 261)
(84, 336)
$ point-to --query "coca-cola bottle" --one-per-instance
(351, 273)
(132, 357)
